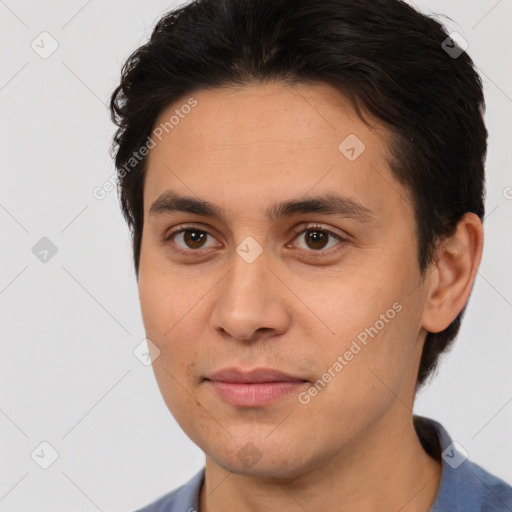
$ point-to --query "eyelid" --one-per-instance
(313, 225)
(184, 227)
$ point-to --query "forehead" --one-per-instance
(263, 142)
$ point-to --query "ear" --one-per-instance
(451, 277)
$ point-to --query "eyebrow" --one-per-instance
(328, 204)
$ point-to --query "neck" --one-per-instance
(386, 468)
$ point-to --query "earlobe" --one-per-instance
(454, 273)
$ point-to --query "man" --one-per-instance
(304, 184)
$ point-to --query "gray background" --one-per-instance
(68, 375)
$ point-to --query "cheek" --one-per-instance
(352, 304)
(163, 297)
(154, 307)
(367, 376)
(170, 313)
(164, 316)
(375, 320)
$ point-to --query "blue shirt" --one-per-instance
(464, 487)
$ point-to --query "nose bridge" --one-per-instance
(247, 301)
(246, 283)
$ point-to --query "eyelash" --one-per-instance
(313, 227)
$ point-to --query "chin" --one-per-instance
(275, 469)
(269, 458)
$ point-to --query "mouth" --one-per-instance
(254, 388)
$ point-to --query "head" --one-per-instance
(268, 115)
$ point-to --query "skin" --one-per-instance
(296, 308)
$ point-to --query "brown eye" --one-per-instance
(194, 239)
(318, 239)
(190, 239)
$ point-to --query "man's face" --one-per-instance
(344, 313)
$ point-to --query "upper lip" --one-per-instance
(236, 375)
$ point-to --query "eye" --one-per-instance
(189, 238)
(315, 239)
(318, 239)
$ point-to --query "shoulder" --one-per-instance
(182, 499)
(470, 487)
(465, 486)
(492, 492)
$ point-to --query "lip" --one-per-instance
(256, 375)
(253, 388)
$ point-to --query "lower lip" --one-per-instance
(254, 394)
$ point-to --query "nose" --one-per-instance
(252, 302)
